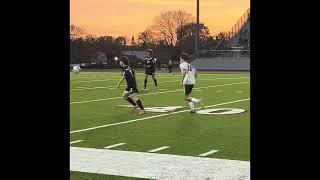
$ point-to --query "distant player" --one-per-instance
(189, 75)
(170, 66)
(131, 92)
(150, 68)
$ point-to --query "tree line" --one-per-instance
(171, 33)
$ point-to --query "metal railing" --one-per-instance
(236, 28)
(239, 24)
(225, 53)
(230, 34)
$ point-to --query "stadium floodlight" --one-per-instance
(197, 31)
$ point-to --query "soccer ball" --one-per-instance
(76, 69)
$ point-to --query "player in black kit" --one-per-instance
(150, 68)
(131, 92)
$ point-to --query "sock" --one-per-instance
(145, 83)
(131, 101)
(191, 105)
(155, 82)
(194, 100)
(140, 104)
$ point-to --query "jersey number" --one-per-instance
(189, 67)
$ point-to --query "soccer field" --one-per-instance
(99, 127)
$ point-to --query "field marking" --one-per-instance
(156, 165)
(73, 142)
(159, 149)
(104, 99)
(110, 87)
(208, 153)
(151, 117)
(114, 145)
(157, 73)
(219, 91)
(205, 79)
(97, 80)
(200, 90)
(239, 91)
(93, 81)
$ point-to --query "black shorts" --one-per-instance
(188, 89)
(150, 71)
(132, 90)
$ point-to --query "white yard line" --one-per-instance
(114, 145)
(200, 79)
(155, 165)
(151, 117)
(239, 91)
(157, 73)
(73, 142)
(159, 149)
(94, 81)
(104, 99)
(208, 153)
(110, 87)
(97, 80)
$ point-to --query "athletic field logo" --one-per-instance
(164, 109)
(221, 111)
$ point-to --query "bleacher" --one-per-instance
(231, 55)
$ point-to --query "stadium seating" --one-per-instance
(232, 54)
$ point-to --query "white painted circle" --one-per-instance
(221, 111)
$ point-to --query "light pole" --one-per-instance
(197, 31)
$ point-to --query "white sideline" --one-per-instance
(94, 81)
(159, 149)
(97, 80)
(157, 74)
(105, 87)
(73, 142)
(163, 78)
(150, 117)
(115, 145)
(208, 153)
(156, 166)
(104, 99)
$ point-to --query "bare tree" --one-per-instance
(76, 31)
(121, 41)
(147, 37)
(168, 23)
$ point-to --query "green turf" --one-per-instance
(185, 133)
(90, 176)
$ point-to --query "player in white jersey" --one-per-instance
(189, 75)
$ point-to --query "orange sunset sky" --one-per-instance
(129, 17)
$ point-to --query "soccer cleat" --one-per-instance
(201, 103)
(135, 107)
(142, 112)
(193, 111)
